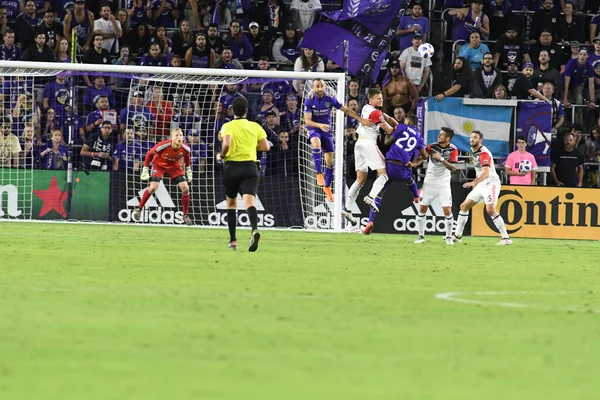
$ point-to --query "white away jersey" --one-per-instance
(481, 158)
(436, 171)
(374, 115)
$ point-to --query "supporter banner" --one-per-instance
(421, 114)
(534, 121)
(493, 122)
(367, 25)
(543, 212)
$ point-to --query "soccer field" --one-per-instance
(132, 312)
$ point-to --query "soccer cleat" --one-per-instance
(232, 245)
(456, 239)
(368, 228)
(449, 240)
(136, 216)
(328, 193)
(348, 215)
(187, 220)
(371, 202)
(504, 242)
(320, 180)
(419, 240)
(254, 241)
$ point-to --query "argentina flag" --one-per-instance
(492, 121)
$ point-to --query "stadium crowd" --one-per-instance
(547, 50)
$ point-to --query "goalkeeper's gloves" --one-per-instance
(145, 174)
(188, 172)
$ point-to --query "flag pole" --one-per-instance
(70, 146)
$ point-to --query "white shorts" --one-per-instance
(367, 155)
(431, 190)
(487, 192)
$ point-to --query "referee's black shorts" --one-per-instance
(240, 177)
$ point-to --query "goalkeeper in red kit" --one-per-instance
(166, 158)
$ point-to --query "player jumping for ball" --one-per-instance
(317, 115)
(166, 158)
(486, 187)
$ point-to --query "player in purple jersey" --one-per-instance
(405, 142)
(317, 114)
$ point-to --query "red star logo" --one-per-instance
(53, 199)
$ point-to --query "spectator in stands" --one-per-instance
(592, 155)
(285, 48)
(226, 99)
(558, 112)
(511, 165)
(129, 154)
(486, 77)
(409, 24)
(92, 93)
(164, 13)
(227, 61)
(51, 28)
(43, 6)
(290, 117)
(574, 25)
(198, 153)
(186, 119)
(572, 50)
(123, 18)
(10, 10)
(163, 110)
(29, 157)
(9, 51)
(238, 43)
(469, 20)
(462, 80)
(260, 41)
(524, 88)
(398, 91)
(214, 41)
(566, 168)
(63, 51)
(48, 124)
(26, 112)
(191, 12)
(56, 94)
(555, 51)
(54, 154)
(202, 56)
(280, 91)
(577, 73)
(353, 105)
(354, 92)
(39, 51)
(96, 117)
(546, 73)
(304, 13)
(474, 51)
(270, 14)
(10, 148)
(96, 55)
(3, 22)
(500, 16)
(136, 115)
(98, 149)
(500, 92)
(176, 61)
(594, 59)
(154, 58)
(309, 61)
(82, 20)
(510, 49)
(414, 66)
(140, 40)
(218, 14)
(182, 40)
(399, 114)
(110, 29)
(140, 12)
(266, 106)
(160, 37)
(124, 59)
(548, 18)
(25, 24)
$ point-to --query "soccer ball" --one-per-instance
(525, 166)
(426, 50)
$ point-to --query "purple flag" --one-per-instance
(367, 25)
(534, 121)
(421, 114)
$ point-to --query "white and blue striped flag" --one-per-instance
(492, 121)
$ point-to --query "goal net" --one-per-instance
(106, 118)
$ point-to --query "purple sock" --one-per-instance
(316, 154)
(328, 176)
(373, 214)
(412, 185)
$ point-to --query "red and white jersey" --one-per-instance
(481, 158)
(164, 155)
(436, 171)
(374, 115)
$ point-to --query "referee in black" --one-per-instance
(241, 140)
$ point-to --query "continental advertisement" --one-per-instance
(41, 194)
(543, 212)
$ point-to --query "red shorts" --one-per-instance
(172, 171)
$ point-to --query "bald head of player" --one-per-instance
(177, 137)
(475, 140)
(240, 107)
(319, 87)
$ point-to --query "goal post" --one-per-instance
(205, 86)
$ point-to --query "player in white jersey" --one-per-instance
(486, 187)
(367, 154)
(442, 155)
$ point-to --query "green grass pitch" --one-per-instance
(146, 313)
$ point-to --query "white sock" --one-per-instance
(378, 185)
(449, 223)
(421, 224)
(499, 222)
(461, 221)
(352, 194)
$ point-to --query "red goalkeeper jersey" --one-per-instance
(163, 155)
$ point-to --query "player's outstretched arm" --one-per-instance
(357, 117)
(390, 120)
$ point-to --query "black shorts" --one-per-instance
(240, 177)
